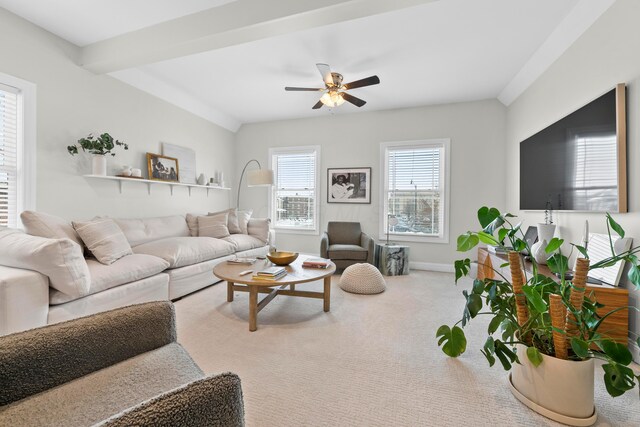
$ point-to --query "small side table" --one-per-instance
(392, 260)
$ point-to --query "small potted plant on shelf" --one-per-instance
(99, 147)
(546, 332)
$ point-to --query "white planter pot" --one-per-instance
(99, 165)
(545, 234)
(558, 389)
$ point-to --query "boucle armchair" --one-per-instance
(345, 244)
(117, 368)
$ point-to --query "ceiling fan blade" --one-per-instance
(305, 89)
(325, 72)
(318, 105)
(373, 80)
(352, 99)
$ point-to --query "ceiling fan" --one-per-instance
(335, 91)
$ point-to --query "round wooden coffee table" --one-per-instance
(295, 275)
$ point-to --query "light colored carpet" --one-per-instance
(372, 361)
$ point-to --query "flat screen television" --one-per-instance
(579, 162)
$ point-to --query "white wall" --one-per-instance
(476, 130)
(72, 102)
(605, 55)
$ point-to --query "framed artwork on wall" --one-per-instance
(162, 168)
(349, 185)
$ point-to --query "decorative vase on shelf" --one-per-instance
(202, 179)
(545, 234)
(99, 165)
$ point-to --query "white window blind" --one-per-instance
(414, 190)
(8, 156)
(595, 177)
(294, 200)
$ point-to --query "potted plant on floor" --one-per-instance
(547, 332)
(99, 147)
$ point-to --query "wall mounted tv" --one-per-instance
(579, 162)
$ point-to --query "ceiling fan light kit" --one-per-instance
(334, 91)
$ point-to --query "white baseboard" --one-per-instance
(635, 350)
(431, 266)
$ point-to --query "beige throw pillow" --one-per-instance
(232, 220)
(192, 223)
(243, 220)
(213, 225)
(49, 226)
(61, 260)
(104, 239)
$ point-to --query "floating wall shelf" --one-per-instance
(151, 182)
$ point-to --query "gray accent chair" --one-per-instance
(117, 368)
(345, 244)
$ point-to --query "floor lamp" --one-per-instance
(255, 178)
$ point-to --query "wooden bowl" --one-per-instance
(282, 258)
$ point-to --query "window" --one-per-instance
(17, 156)
(415, 190)
(294, 199)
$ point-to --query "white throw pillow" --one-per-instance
(104, 239)
(232, 220)
(61, 260)
(49, 226)
(259, 228)
(213, 225)
(243, 220)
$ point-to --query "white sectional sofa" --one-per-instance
(45, 277)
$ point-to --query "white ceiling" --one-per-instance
(437, 52)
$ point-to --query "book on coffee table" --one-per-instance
(316, 263)
(244, 261)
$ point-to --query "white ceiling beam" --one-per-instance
(234, 23)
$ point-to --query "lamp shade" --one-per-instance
(259, 177)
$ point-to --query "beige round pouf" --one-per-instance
(362, 279)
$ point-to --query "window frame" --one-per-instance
(445, 180)
(26, 146)
(273, 151)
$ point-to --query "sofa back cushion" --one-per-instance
(49, 226)
(104, 239)
(344, 233)
(143, 230)
(61, 260)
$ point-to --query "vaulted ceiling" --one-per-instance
(228, 61)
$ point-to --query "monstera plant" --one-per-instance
(535, 296)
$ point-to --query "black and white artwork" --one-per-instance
(162, 168)
(349, 185)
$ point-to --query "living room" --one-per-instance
(206, 79)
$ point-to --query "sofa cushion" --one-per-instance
(192, 223)
(345, 233)
(353, 252)
(181, 251)
(244, 242)
(259, 228)
(61, 260)
(243, 220)
(125, 270)
(104, 393)
(213, 226)
(104, 239)
(49, 226)
(143, 230)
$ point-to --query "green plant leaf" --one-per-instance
(505, 355)
(618, 379)
(582, 250)
(580, 347)
(534, 356)
(467, 242)
(478, 287)
(487, 215)
(553, 245)
(502, 233)
(487, 238)
(634, 274)
(535, 298)
(495, 324)
(474, 304)
(495, 224)
(462, 267)
(615, 226)
(616, 351)
(558, 263)
(455, 343)
(519, 245)
(488, 350)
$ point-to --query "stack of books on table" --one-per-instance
(244, 261)
(270, 274)
(316, 263)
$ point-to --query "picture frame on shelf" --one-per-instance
(349, 185)
(163, 168)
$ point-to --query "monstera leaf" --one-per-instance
(455, 343)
